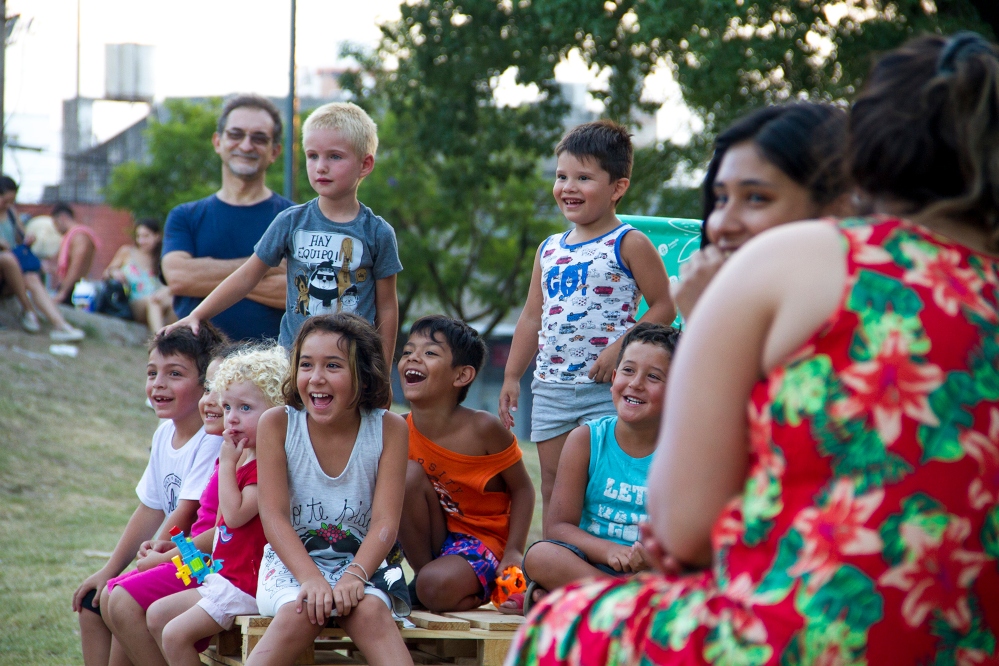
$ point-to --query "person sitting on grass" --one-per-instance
(599, 496)
(469, 499)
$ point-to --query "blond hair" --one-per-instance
(266, 367)
(349, 119)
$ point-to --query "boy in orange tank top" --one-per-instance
(469, 499)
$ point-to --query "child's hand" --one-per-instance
(604, 366)
(641, 559)
(659, 559)
(230, 451)
(97, 581)
(317, 597)
(348, 593)
(190, 321)
(509, 395)
(152, 559)
(619, 558)
(154, 546)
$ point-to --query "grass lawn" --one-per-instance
(74, 439)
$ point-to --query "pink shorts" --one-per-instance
(152, 585)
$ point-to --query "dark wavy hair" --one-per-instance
(653, 334)
(924, 130)
(365, 359)
(200, 348)
(467, 348)
(805, 140)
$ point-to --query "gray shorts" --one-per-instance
(558, 408)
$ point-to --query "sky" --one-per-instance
(201, 48)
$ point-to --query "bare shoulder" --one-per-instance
(489, 430)
(393, 423)
(275, 417)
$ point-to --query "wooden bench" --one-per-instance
(474, 638)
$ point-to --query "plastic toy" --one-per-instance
(191, 563)
(509, 582)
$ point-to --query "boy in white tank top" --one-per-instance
(583, 295)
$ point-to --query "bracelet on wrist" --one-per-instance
(363, 570)
(358, 577)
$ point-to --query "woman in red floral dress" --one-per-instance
(852, 514)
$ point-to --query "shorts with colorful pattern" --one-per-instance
(473, 551)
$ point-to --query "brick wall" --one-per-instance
(112, 227)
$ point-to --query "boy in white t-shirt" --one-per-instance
(180, 463)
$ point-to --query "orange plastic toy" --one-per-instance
(507, 583)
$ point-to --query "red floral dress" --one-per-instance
(868, 528)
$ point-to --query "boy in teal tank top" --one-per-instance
(599, 496)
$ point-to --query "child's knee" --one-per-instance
(416, 478)
(122, 608)
(157, 619)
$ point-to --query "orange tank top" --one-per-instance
(460, 482)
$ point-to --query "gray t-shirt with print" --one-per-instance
(332, 266)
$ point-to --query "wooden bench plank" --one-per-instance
(428, 620)
(490, 620)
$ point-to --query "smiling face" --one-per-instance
(323, 377)
(173, 385)
(247, 145)
(209, 406)
(335, 169)
(243, 403)
(585, 193)
(638, 385)
(754, 195)
(426, 368)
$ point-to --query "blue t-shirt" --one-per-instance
(332, 266)
(616, 493)
(212, 228)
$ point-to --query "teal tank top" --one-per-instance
(616, 493)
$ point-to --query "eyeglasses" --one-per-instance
(256, 138)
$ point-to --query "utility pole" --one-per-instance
(289, 128)
(3, 63)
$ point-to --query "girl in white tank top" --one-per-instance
(331, 477)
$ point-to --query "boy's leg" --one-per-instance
(117, 656)
(95, 638)
(161, 612)
(372, 629)
(549, 452)
(449, 584)
(423, 527)
(129, 627)
(289, 635)
(552, 566)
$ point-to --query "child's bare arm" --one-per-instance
(645, 264)
(387, 315)
(232, 290)
(140, 527)
(567, 505)
(386, 511)
(521, 512)
(524, 346)
(238, 507)
(182, 517)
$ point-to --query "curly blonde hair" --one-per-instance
(266, 367)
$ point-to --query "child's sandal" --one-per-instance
(518, 604)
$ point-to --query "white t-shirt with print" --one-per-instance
(176, 474)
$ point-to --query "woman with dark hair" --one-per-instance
(775, 165)
(138, 268)
(850, 514)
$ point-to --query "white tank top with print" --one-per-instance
(590, 300)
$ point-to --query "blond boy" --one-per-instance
(341, 256)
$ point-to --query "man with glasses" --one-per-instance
(206, 240)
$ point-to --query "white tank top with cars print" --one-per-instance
(590, 300)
